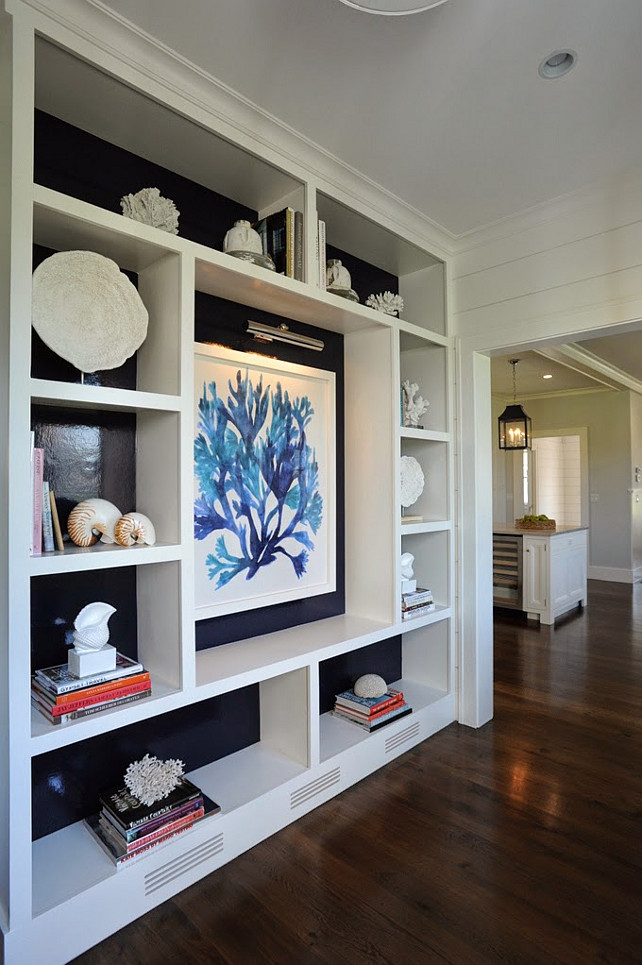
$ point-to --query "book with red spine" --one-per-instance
(368, 705)
(81, 702)
(359, 715)
(85, 711)
(129, 847)
(394, 714)
(110, 687)
(132, 834)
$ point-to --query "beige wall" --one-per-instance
(607, 416)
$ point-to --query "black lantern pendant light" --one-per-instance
(514, 425)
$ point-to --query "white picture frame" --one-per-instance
(264, 481)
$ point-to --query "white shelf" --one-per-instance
(428, 435)
(244, 777)
(425, 526)
(102, 556)
(259, 658)
(338, 736)
(440, 613)
(65, 223)
(100, 397)
(47, 737)
(416, 337)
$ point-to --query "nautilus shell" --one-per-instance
(91, 631)
(134, 528)
(91, 520)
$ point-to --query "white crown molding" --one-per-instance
(90, 22)
(581, 360)
(505, 398)
(546, 212)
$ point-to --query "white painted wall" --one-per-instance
(636, 484)
(562, 271)
(607, 418)
(558, 478)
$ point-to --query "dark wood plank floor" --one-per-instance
(518, 842)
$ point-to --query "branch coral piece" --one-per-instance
(258, 479)
(151, 780)
(149, 207)
(387, 303)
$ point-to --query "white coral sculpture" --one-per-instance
(150, 207)
(151, 780)
(413, 409)
(388, 303)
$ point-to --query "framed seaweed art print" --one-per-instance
(264, 481)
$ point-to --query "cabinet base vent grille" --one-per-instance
(179, 866)
(402, 737)
(297, 798)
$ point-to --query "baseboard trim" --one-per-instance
(613, 574)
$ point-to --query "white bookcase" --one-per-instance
(62, 884)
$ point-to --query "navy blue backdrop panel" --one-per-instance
(366, 279)
(66, 782)
(88, 453)
(340, 673)
(73, 162)
(46, 364)
(223, 323)
(57, 599)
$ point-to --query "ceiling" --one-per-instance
(443, 108)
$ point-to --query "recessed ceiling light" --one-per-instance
(557, 64)
(393, 8)
(547, 376)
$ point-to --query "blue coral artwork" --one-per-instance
(264, 481)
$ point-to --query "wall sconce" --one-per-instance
(515, 427)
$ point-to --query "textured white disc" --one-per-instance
(87, 311)
(412, 481)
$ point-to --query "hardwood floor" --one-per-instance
(519, 842)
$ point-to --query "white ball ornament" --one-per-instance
(370, 685)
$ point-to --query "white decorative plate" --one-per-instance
(87, 311)
(412, 481)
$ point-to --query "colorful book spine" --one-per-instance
(363, 706)
(60, 546)
(80, 702)
(86, 711)
(130, 847)
(139, 832)
(417, 611)
(36, 512)
(47, 520)
(115, 686)
(289, 249)
(60, 680)
(120, 860)
(359, 715)
(129, 813)
(375, 725)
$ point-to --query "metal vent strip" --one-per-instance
(320, 784)
(402, 737)
(183, 863)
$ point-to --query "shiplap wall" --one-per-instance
(563, 269)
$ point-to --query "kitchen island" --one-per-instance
(542, 572)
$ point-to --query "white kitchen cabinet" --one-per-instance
(554, 568)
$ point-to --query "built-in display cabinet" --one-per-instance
(251, 718)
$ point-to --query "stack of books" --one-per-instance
(417, 603)
(281, 235)
(127, 829)
(61, 696)
(370, 713)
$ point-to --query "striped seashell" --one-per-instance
(134, 528)
(91, 630)
(91, 520)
